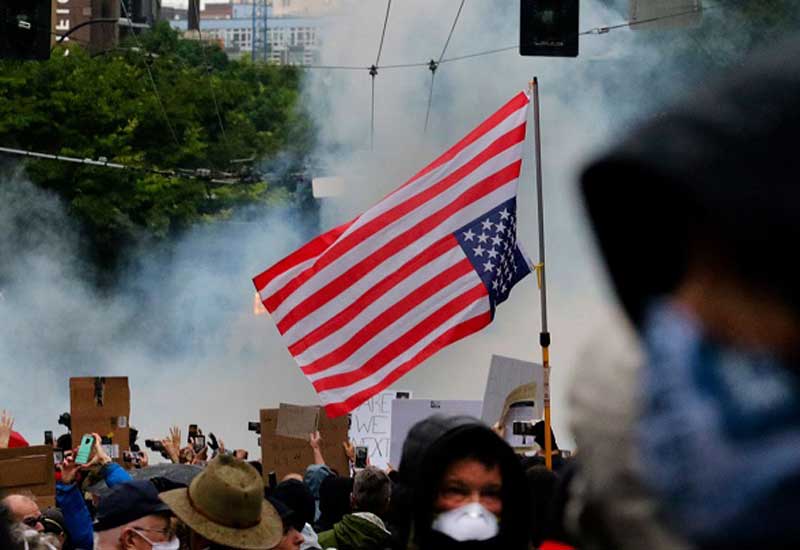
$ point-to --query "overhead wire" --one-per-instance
(433, 65)
(207, 71)
(152, 81)
(373, 72)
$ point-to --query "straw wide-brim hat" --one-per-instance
(225, 504)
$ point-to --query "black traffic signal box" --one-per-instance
(25, 29)
(549, 27)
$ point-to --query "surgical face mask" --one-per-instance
(469, 522)
(172, 544)
(719, 434)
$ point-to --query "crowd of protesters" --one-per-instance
(687, 420)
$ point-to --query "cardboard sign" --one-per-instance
(29, 469)
(297, 421)
(407, 412)
(286, 455)
(101, 405)
(371, 426)
(514, 392)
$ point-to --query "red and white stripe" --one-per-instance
(364, 303)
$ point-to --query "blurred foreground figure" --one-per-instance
(690, 430)
(464, 488)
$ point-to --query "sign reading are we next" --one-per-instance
(371, 426)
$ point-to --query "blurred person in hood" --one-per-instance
(466, 486)
(697, 215)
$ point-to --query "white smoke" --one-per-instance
(181, 325)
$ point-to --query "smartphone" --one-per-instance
(361, 457)
(192, 433)
(58, 456)
(85, 449)
(48, 438)
(199, 443)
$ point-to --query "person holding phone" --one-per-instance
(78, 521)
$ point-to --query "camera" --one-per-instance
(48, 438)
(522, 428)
(254, 427)
(65, 420)
(154, 445)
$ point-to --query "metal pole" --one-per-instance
(544, 335)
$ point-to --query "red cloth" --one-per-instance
(16, 440)
(554, 545)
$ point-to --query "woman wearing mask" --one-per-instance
(467, 488)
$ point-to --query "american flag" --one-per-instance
(366, 302)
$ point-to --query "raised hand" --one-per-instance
(315, 440)
(349, 450)
(6, 425)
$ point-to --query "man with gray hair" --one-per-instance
(363, 529)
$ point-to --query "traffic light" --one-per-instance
(548, 27)
(25, 29)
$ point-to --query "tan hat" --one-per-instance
(225, 504)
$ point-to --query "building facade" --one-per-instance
(68, 14)
(291, 40)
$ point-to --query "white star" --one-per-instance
(492, 253)
(482, 237)
(487, 224)
(479, 250)
(488, 266)
(469, 235)
(501, 227)
(504, 288)
(495, 284)
(496, 240)
(504, 214)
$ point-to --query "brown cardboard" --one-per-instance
(29, 469)
(297, 421)
(286, 455)
(109, 417)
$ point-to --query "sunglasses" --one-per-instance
(32, 521)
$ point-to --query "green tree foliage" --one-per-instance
(104, 106)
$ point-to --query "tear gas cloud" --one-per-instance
(181, 325)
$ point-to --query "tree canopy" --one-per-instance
(207, 112)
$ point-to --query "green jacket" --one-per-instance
(360, 531)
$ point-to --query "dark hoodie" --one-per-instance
(721, 167)
(431, 446)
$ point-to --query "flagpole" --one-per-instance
(544, 335)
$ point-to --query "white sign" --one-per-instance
(371, 424)
(514, 392)
(407, 412)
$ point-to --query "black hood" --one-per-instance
(723, 167)
(432, 445)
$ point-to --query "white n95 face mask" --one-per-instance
(469, 522)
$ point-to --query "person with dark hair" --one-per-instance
(467, 487)
(334, 501)
(363, 529)
(294, 494)
(696, 215)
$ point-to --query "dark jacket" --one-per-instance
(431, 446)
(356, 532)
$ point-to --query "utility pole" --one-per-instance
(260, 42)
(193, 16)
